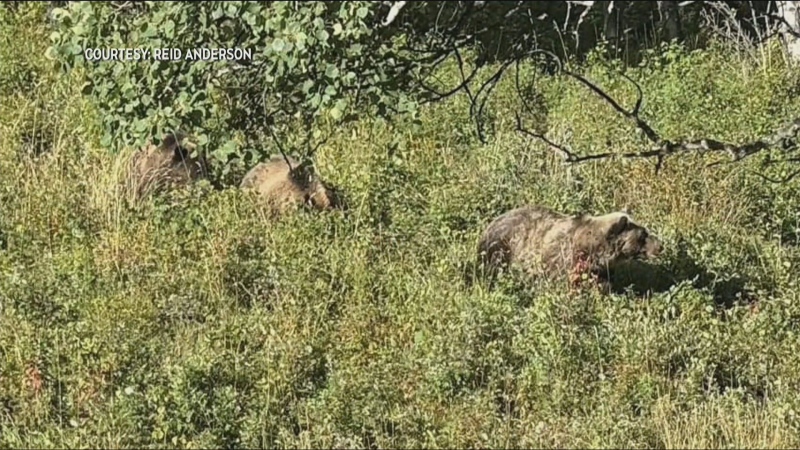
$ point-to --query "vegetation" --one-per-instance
(314, 62)
(195, 322)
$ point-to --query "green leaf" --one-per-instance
(336, 113)
(331, 71)
(169, 28)
(341, 105)
(249, 18)
(202, 139)
(316, 99)
(278, 45)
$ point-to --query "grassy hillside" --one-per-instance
(195, 322)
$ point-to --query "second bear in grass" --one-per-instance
(544, 242)
(154, 168)
(285, 184)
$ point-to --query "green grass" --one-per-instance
(195, 322)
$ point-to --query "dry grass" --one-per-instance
(721, 423)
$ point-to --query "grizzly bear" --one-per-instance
(169, 164)
(285, 186)
(544, 242)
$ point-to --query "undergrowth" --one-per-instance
(196, 322)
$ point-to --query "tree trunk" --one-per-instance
(612, 23)
(790, 11)
(671, 16)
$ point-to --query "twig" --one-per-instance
(272, 131)
(393, 12)
(786, 138)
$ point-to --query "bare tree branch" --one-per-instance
(786, 138)
(462, 85)
(787, 27)
(587, 7)
(476, 107)
(396, 7)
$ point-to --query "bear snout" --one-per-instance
(653, 248)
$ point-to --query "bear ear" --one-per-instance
(181, 152)
(169, 142)
(617, 225)
(304, 171)
(178, 144)
(305, 166)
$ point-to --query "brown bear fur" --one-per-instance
(283, 188)
(543, 242)
(154, 168)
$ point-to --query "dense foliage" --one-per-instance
(313, 64)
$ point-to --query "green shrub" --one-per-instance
(313, 65)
